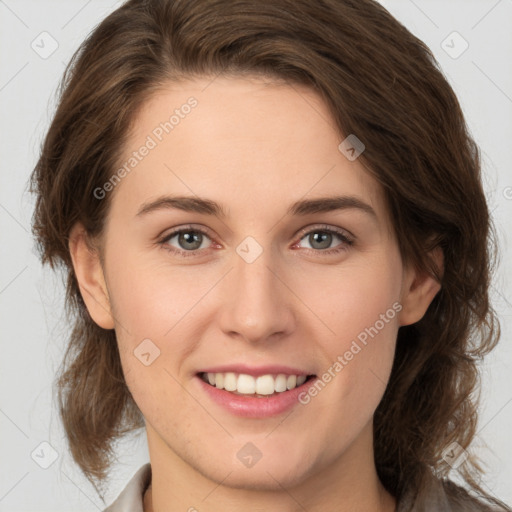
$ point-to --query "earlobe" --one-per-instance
(419, 291)
(90, 277)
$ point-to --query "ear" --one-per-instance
(89, 273)
(419, 290)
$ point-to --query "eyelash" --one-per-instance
(346, 240)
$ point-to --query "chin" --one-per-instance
(262, 465)
(262, 476)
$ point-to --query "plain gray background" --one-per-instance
(33, 325)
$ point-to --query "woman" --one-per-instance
(199, 153)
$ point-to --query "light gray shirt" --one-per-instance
(436, 498)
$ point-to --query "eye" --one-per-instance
(188, 240)
(320, 239)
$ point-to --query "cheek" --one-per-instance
(360, 308)
(149, 299)
(157, 312)
(356, 301)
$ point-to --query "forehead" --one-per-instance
(244, 141)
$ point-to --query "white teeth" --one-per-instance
(248, 385)
(230, 382)
(280, 384)
(265, 385)
(291, 381)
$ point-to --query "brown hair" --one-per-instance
(380, 83)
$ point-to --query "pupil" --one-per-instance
(325, 237)
(188, 238)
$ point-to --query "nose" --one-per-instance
(257, 303)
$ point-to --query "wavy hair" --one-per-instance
(381, 83)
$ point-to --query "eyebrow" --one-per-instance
(302, 208)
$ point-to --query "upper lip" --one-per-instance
(255, 371)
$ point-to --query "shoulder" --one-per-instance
(444, 496)
(131, 497)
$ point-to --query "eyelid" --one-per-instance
(186, 227)
(326, 227)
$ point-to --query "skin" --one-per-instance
(255, 147)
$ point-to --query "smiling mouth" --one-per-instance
(260, 387)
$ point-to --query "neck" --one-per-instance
(349, 484)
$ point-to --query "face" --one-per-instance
(253, 288)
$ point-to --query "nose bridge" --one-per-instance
(256, 306)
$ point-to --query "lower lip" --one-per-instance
(254, 407)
